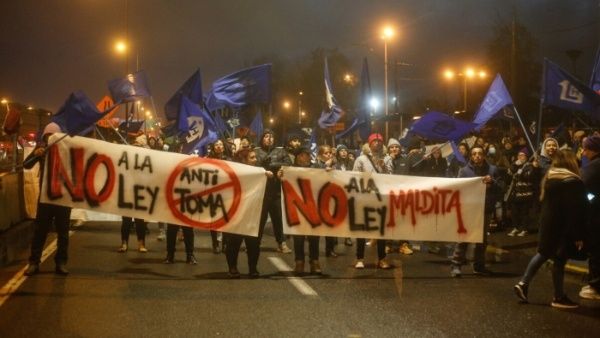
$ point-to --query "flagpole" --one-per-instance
(543, 94)
(524, 130)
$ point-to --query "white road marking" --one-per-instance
(14, 283)
(297, 282)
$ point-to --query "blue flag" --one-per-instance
(595, 80)
(333, 112)
(77, 114)
(131, 88)
(191, 88)
(440, 127)
(496, 98)
(362, 121)
(220, 124)
(212, 103)
(564, 91)
(248, 86)
(198, 126)
(257, 125)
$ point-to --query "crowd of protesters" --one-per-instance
(525, 194)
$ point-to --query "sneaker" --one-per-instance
(405, 249)
(383, 264)
(359, 264)
(522, 233)
(564, 303)
(191, 259)
(521, 290)
(283, 248)
(588, 292)
(122, 248)
(455, 271)
(513, 232)
(161, 235)
(370, 242)
(32, 269)
(348, 242)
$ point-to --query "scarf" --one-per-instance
(556, 174)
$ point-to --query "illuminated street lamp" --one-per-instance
(468, 73)
(387, 34)
(300, 112)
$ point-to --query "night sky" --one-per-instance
(53, 47)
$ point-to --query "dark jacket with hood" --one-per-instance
(272, 159)
(492, 190)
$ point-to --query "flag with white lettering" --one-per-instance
(563, 90)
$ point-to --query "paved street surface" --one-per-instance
(109, 294)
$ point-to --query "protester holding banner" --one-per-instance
(591, 179)
(371, 161)
(220, 151)
(272, 158)
(302, 160)
(562, 225)
(478, 167)
(127, 222)
(48, 214)
(326, 160)
(234, 241)
(343, 162)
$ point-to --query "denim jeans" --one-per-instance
(558, 272)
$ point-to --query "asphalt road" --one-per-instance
(109, 294)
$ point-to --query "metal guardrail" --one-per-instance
(12, 202)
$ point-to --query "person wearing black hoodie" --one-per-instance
(272, 158)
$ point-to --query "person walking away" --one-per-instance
(562, 220)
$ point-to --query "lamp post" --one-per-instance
(468, 73)
(300, 93)
(387, 34)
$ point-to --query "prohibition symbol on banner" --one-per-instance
(203, 192)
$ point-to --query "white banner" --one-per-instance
(365, 205)
(154, 185)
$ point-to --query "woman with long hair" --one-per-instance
(562, 223)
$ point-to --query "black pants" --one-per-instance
(46, 215)
(360, 248)
(520, 214)
(140, 228)
(330, 243)
(232, 250)
(272, 207)
(188, 239)
(313, 247)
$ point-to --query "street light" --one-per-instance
(300, 112)
(387, 34)
(468, 73)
